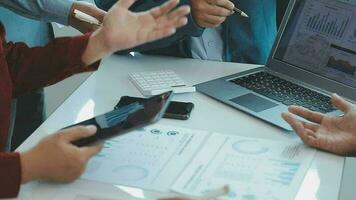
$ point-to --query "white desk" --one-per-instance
(103, 89)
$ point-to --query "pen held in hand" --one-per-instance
(86, 18)
(240, 12)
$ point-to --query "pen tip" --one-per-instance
(244, 14)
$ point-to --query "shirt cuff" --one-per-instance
(57, 11)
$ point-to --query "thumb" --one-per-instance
(90, 151)
(341, 103)
(78, 132)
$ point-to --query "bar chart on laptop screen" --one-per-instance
(329, 20)
(324, 40)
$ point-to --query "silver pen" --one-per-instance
(240, 12)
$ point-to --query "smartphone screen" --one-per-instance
(175, 110)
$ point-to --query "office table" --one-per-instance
(102, 90)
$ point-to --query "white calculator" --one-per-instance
(156, 82)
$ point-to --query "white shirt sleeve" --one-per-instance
(44, 10)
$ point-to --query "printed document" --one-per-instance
(150, 158)
(165, 158)
(253, 168)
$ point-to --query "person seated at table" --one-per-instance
(214, 32)
(24, 69)
(333, 134)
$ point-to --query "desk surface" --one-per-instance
(104, 88)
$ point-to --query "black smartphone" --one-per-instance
(126, 118)
(175, 110)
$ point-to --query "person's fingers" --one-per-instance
(293, 122)
(308, 136)
(179, 13)
(311, 126)
(228, 5)
(181, 22)
(311, 139)
(215, 10)
(177, 23)
(75, 133)
(90, 151)
(307, 114)
(160, 33)
(207, 24)
(211, 21)
(340, 103)
(164, 9)
(126, 3)
(221, 12)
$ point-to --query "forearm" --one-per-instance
(33, 68)
(95, 49)
(10, 173)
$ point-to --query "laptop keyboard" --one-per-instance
(285, 92)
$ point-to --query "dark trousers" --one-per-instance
(30, 114)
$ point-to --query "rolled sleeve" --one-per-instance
(45, 10)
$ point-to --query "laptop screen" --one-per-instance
(320, 37)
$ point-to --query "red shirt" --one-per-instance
(22, 70)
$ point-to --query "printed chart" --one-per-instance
(150, 158)
(253, 168)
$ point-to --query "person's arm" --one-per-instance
(10, 173)
(55, 158)
(44, 10)
(33, 68)
(176, 41)
(60, 11)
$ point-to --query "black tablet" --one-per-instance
(126, 118)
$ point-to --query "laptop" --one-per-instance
(314, 55)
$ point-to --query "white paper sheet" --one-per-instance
(253, 168)
(150, 158)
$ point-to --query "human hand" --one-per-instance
(89, 9)
(123, 29)
(211, 13)
(333, 134)
(55, 158)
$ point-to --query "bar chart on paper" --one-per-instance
(253, 168)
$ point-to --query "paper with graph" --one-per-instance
(150, 158)
(253, 168)
(164, 158)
